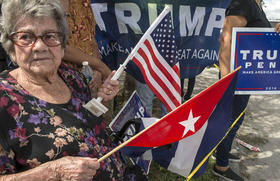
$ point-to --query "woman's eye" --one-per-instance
(25, 37)
(50, 36)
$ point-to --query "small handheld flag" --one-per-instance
(157, 59)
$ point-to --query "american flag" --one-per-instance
(156, 58)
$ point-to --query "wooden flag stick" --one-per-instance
(126, 142)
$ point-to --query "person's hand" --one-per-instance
(95, 83)
(109, 88)
(74, 168)
(277, 27)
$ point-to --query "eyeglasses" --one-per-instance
(27, 39)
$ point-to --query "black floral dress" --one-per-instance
(33, 131)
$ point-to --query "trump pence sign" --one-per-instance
(257, 50)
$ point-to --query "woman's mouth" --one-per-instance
(41, 59)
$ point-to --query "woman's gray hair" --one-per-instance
(13, 11)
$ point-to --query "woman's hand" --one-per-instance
(109, 88)
(95, 83)
(74, 168)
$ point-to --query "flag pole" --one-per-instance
(126, 142)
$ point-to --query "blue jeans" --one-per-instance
(147, 96)
(240, 102)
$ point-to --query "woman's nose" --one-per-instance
(39, 44)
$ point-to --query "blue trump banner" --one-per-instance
(257, 50)
(197, 26)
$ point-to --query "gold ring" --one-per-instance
(110, 92)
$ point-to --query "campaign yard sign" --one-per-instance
(133, 108)
(257, 50)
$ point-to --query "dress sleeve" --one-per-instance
(7, 156)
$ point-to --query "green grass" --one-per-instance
(158, 173)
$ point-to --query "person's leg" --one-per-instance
(240, 102)
(185, 97)
(163, 110)
(191, 83)
(222, 168)
(146, 96)
(182, 88)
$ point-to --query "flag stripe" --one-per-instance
(153, 85)
(156, 58)
(176, 68)
(171, 74)
(183, 164)
(158, 63)
(156, 73)
(160, 79)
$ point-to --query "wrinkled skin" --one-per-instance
(68, 168)
(75, 168)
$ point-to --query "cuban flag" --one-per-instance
(182, 139)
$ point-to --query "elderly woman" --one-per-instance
(45, 133)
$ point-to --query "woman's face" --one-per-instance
(38, 59)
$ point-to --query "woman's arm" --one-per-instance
(39, 173)
(277, 27)
(66, 168)
(225, 41)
